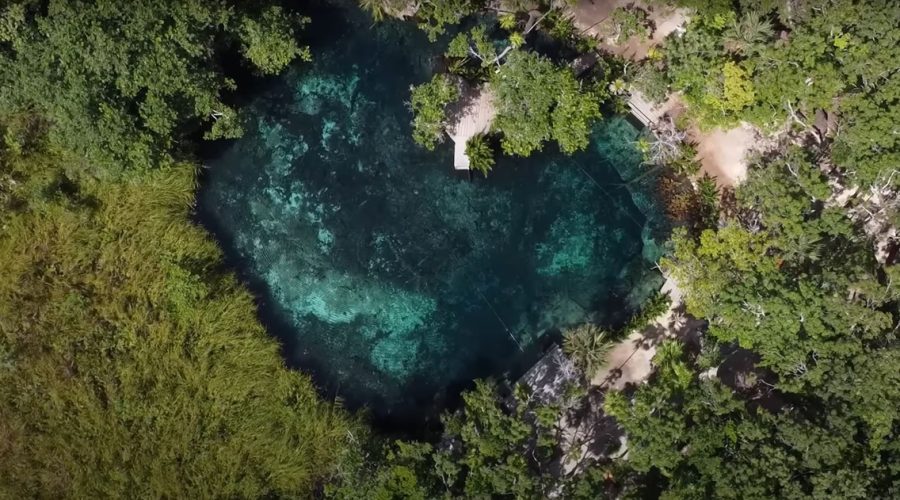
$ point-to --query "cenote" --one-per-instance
(394, 281)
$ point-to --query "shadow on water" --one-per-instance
(387, 278)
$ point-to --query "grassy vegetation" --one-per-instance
(131, 363)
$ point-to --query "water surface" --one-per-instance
(392, 279)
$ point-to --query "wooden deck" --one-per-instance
(647, 112)
(475, 118)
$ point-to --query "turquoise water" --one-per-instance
(392, 279)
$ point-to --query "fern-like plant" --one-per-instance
(587, 346)
(480, 153)
(748, 35)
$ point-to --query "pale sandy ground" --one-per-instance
(721, 153)
(589, 16)
(629, 362)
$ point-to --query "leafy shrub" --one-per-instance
(123, 86)
(652, 82)
(528, 115)
(480, 153)
(631, 21)
(652, 309)
(428, 102)
(587, 346)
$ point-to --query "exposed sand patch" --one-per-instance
(630, 361)
(588, 15)
(593, 18)
(723, 153)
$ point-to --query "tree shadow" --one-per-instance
(468, 96)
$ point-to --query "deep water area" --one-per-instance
(389, 277)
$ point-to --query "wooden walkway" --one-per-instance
(647, 112)
(475, 118)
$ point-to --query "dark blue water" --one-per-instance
(391, 279)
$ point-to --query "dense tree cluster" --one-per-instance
(528, 115)
(537, 100)
(131, 363)
(501, 446)
(429, 101)
(792, 285)
(123, 85)
(772, 62)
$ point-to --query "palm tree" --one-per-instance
(749, 34)
(376, 8)
(587, 346)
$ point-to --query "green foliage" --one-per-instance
(801, 290)
(123, 85)
(528, 115)
(868, 147)
(428, 102)
(435, 15)
(725, 97)
(836, 56)
(491, 449)
(685, 161)
(269, 42)
(587, 346)
(738, 89)
(558, 24)
(707, 442)
(654, 307)
(631, 21)
(703, 7)
(652, 82)
(708, 197)
(692, 59)
(495, 443)
(720, 258)
(789, 194)
(131, 364)
(507, 21)
(480, 153)
(574, 114)
(379, 9)
(748, 35)
(473, 43)
(516, 40)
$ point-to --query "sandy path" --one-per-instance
(630, 361)
(723, 153)
(591, 16)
